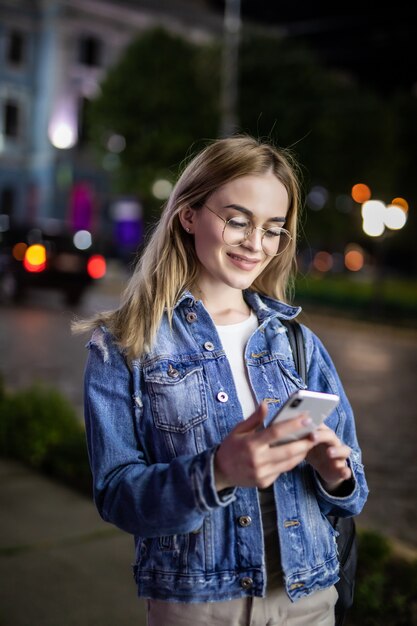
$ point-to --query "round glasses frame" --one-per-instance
(249, 232)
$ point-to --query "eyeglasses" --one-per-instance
(238, 229)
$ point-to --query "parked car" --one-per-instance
(48, 256)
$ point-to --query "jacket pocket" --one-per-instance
(177, 395)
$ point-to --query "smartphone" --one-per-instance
(315, 404)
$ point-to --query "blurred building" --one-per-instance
(53, 55)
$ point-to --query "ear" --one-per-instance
(187, 219)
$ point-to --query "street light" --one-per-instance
(377, 217)
(229, 96)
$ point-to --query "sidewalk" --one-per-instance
(60, 564)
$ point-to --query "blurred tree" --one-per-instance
(162, 98)
(340, 133)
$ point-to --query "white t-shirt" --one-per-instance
(234, 338)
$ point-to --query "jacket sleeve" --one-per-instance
(140, 498)
(322, 376)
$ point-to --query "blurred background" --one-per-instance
(100, 103)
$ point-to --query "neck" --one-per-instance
(226, 306)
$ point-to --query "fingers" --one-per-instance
(283, 430)
(254, 421)
(341, 452)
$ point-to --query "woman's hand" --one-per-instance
(245, 458)
(328, 457)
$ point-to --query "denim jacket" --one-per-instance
(153, 427)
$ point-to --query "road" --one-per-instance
(377, 365)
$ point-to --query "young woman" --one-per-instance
(179, 380)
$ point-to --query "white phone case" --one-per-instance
(315, 404)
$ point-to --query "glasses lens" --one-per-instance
(236, 230)
(275, 241)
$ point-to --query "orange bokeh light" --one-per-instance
(354, 260)
(19, 250)
(401, 202)
(361, 193)
(323, 261)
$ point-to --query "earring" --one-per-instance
(188, 230)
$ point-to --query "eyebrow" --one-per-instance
(249, 213)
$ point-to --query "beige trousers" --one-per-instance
(276, 609)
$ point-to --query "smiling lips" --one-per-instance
(243, 262)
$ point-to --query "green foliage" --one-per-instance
(162, 97)
(334, 126)
(381, 299)
(39, 427)
(386, 585)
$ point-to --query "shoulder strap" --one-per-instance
(296, 339)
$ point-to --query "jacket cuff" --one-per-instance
(343, 497)
(204, 485)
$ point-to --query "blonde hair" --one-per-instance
(169, 265)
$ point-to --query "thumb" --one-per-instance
(254, 421)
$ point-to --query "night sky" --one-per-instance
(374, 44)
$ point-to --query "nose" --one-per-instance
(254, 241)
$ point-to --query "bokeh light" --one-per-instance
(401, 202)
(161, 189)
(323, 261)
(19, 250)
(96, 266)
(82, 239)
(373, 213)
(35, 258)
(317, 197)
(63, 135)
(395, 218)
(116, 143)
(354, 258)
(361, 193)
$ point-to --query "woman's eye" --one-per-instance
(238, 223)
(273, 232)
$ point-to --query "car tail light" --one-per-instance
(35, 258)
(96, 266)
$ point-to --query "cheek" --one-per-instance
(206, 242)
(265, 265)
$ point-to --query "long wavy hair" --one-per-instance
(169, 264)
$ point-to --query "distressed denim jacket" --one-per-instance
(153, 427)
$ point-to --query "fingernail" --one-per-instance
(306, 421)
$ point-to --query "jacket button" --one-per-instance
(172, 372)
(209, 346)
(245, 520)
(191, 317)
(246, 582)
(222, 396)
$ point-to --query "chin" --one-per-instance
(241, 283)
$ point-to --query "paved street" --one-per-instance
(377, 365)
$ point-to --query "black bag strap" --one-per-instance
(296, 339)
(345, 526)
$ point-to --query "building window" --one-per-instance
(16, 48)
(90, 51)
(7, 201)
(11, 121)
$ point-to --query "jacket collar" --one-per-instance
(264, 306)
